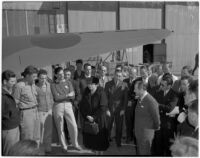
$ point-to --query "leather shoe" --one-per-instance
(64, 150)
(78, 148)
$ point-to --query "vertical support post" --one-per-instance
(7, 28)
(118, 54)
(27, 29)
(163, 20)
(67, 17)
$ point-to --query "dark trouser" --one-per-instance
(144, 138)
(129, 120)
(162, 140)
(115, 117)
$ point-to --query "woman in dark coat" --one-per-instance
(93, 109)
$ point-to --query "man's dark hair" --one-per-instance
(168, 63)
(67, 70)
(57, 70)
(42, 72)
(143, 67)
(168, 78)
(194, 107)
(189, 69)
(118, 68)
(29, 70)
(86, 65)
(79, 61)
(7, 74)
(141, 84)
(188, 78)
(193, 86)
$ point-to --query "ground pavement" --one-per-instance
(125, 149)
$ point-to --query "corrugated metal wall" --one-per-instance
(183, 44)
(22, 18)
(139, 18)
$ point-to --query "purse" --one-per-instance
(91, 128)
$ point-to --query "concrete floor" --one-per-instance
(113, 150)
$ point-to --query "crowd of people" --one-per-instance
(155, 105)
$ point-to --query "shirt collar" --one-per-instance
(144, 95)
(165, 92)
(87, 76)
(5, 91)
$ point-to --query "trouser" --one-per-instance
(129, 120)
(163, 137)
(118, 120)
(144, 138)
(30, 125)
(46, 129)
(9, 138)
(75, 113)
(65, 110)
(75, 110)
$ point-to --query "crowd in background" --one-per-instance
(157, 107)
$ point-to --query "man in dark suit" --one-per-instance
(79, 74)
(83, 83)
(130, 108)
(147, 118)
(186, 71)
(86, 78)
(103, 78)
(167, 100)
(117, 94)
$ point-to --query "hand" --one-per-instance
(76, 104)
(90, 118)
(173, 112)
(108, 113)
(181, 117)
(121, 112)
(129, 103)
(71, 94)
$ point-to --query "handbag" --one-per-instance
(91, 128)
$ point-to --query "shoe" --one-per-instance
(64, 150)
(78, 148)
(47, 152)
(119, 145)
(128, 141)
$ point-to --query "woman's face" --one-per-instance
(60, 75)
(184, 85)
(92, 86)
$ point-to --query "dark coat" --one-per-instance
(186, 129)
(83, 83)
(77, 91)
(94, 105)
(131, 93)
(117, 95)
(181, 103)
(168, 128)
(76, 75)
(147, 120)
(10, 112)
(168, 102)
(147, 114)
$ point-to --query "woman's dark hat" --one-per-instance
(94, 80)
